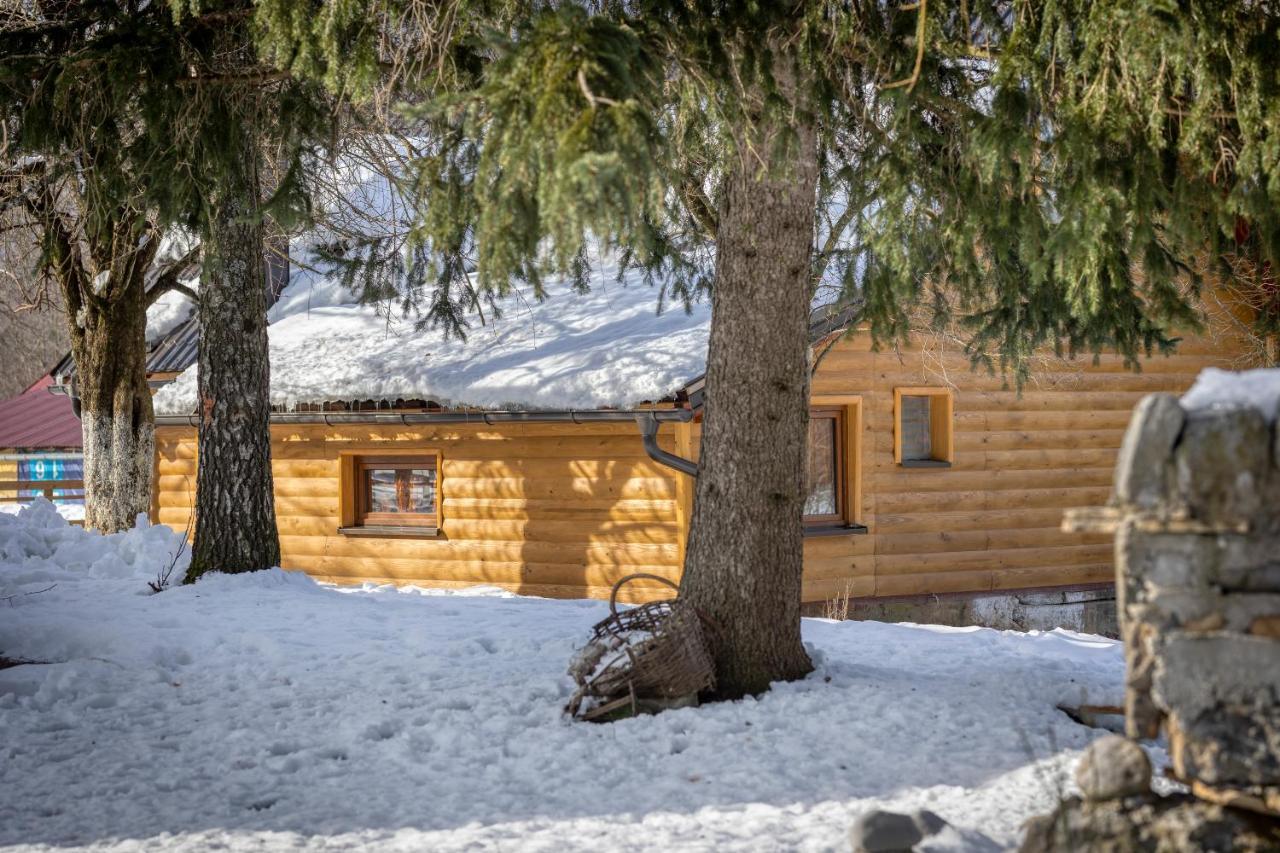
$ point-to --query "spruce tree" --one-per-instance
(955, 155)
(155, 115)
(94, 237)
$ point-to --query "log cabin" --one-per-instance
(545, 453)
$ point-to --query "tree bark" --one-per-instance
(744, 560)
(110, 350)
(235, 527)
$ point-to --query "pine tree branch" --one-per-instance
(168, 280)
(910, 82)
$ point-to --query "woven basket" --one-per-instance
(672, 662)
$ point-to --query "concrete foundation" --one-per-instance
(1090, 610)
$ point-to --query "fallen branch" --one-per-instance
(10, 598)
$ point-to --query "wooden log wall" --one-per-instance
(992, 521)
(540, 509)
(565, 510)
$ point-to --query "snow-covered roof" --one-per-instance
(604, 349)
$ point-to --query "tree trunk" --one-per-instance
(235, 508)
(744, 560)
(110, 352)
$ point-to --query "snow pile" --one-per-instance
(1217, 388)
(269, 711)
(69, 511)
(606, 348)
(38, 548)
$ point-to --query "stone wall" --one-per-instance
(1197, 505)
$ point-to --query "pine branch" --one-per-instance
(168, 282)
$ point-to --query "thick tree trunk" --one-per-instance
(744, 559)
(235, 508)
(110, 352)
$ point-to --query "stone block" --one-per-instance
(1221, 698)
(1223, 465)
(1144, 476)
(1113, 767)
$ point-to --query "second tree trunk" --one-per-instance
(110, 352)
(235, 528)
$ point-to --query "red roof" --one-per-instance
(37, 419)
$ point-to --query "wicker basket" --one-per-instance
(671, 659)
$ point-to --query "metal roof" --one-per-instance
(39, 420)
(179, 348)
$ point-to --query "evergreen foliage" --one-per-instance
(1042, 173)
(127, 99)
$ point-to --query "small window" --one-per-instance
(823, 503)
(922, 427)
(833, 487)
(391, 495)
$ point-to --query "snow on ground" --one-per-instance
(269, 711)
(69, 511)
(1217, 388)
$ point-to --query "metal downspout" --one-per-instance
(648, 424)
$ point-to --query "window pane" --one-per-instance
(916, 439)
(402, 490)
(820, 475)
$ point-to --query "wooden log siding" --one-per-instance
(565, 510)
(541, 509)
(992, 521)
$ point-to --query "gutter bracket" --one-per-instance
(648, 423)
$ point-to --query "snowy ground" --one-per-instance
(69, 511)
(271, 712)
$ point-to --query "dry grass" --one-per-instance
(837, 607)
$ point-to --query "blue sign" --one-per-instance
(43, 470)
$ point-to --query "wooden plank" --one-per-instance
(969, 519)
(1034, 577)
(953, 541)
(587, 511)
(969, 440)
(851, 545)
(446, 550)
(933, 583)
(549, 469)
(905, 503)
(542, 530)
(892, 479)
(846, 567)
(512, 487)
(1010, 558)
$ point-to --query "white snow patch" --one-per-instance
(270, 711)
(607, 348)
(172, 308)
(169, 311)
(1215, 388)
(69, 511)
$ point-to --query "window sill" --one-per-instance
(925, 463)
(385, 531)
(835, 530)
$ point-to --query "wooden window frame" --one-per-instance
(353, 516)
(941, 426)
(848, 470)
